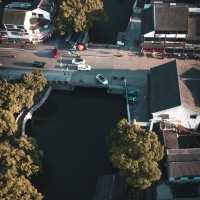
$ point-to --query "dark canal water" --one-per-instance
(71, 129)
(118, 13)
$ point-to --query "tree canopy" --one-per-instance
(78, 15)
(136, 152)
(14, 97)
(34, 81)
(20, 157)
(8, 125)
(18, 188)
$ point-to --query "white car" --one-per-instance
(101, 79)
(78, 61)
(84, 67)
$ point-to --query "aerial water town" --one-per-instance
(99, 99)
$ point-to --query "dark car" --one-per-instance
(132, 96)
(38, 64)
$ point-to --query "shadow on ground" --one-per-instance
(118, 12)
(47, 53)
(23, 64)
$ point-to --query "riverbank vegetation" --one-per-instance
(77, 15)
(20, 157)
(136, 153)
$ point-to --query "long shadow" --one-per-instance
(23, 64)
(71, 129)
(47, 53)
(118, 13)
(193, 83)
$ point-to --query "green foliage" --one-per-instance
(19, 156)
(34, 81)
(136, 152)
(78, 15)
(22, 156)
(14, 97)
(18, 188)
(8, 124)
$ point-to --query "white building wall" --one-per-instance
(43, 12)
(180, 115)
(27, 20)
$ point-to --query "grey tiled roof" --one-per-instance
(169, 87)
(164, 87)
(170, 18)
(193, 28)
(183, 162)
(16, 17)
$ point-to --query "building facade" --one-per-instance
(29, 21)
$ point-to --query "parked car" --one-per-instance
(101, 79)
(132, 96)
(55, 53)
(84, 67)
(38, 64)
(78, 61)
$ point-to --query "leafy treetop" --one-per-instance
(78, 15)
(136, 152)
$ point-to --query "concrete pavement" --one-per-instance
(114, 64)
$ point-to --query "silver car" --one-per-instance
(101, 79)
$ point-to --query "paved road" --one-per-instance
(110, 62)
(96, 57)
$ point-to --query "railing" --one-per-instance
(127, 103)
(28, 113)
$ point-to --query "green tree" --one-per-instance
(8, 124)
(34, 81)
(21, 156)
(18, 188)
(78, 15)
(14, 97)
(136, 152)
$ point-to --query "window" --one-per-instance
(15, 29)
(40, 15)
(34, 14)
(193, 116)
(15, 33)
(20, 27)
(9, 26)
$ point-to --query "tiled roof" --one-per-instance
(170, 87)
(164, 87)
(170, 18)
(183, 155)
(170, 140)
(12, 16)
(183, 162)
(194, 28)
(180, 169)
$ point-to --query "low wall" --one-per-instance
(28, 114)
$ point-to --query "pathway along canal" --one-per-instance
(71, 129)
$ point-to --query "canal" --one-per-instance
(71, 129)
